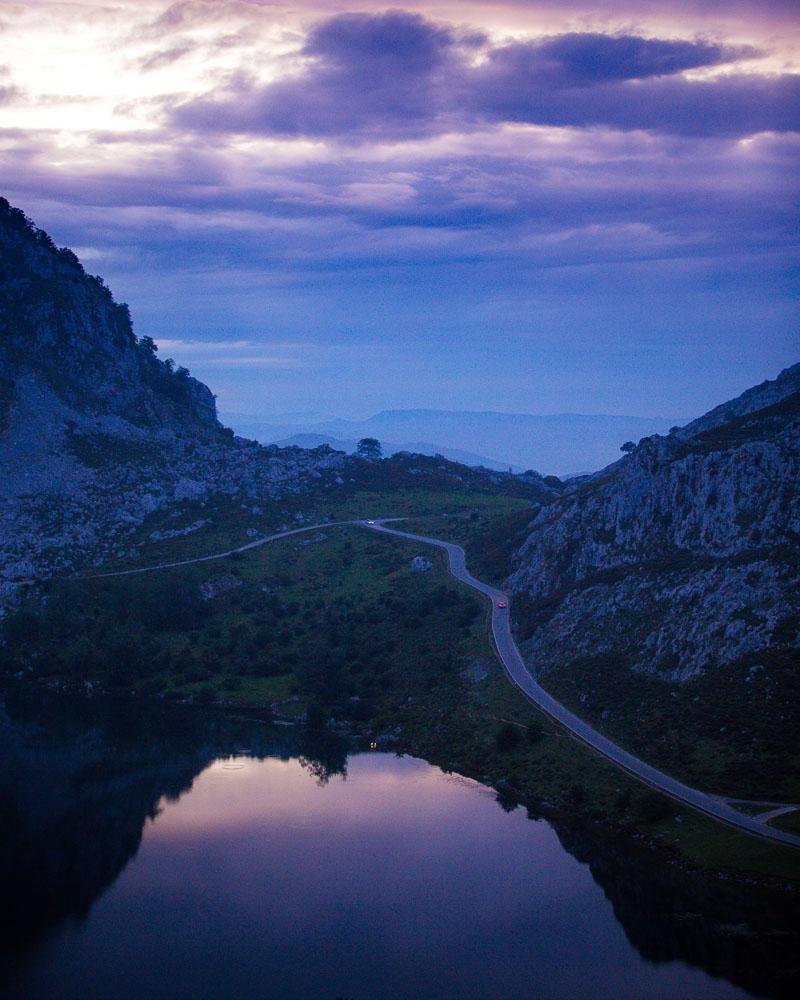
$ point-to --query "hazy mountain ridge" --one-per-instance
(683, 556)
(561, 444)
(392, 448)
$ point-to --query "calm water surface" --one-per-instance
(184, 872)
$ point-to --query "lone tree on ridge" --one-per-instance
(369, 448)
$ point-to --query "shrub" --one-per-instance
(506, 738)
(205, 694)
(535, 732)
(622, 802)
(652, 808)
(576, 794)
(316, 716)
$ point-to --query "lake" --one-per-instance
(167, 855)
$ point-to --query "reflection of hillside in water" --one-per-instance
(77, 784)
(726, 927)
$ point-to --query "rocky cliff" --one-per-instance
(681, 558)
(96, 432)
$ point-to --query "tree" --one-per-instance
(369, 448)
(628, 446)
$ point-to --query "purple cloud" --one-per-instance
(586, 58)
(369, 76)
(511, 88)
(397, 76)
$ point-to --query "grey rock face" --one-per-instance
(683, 556)
(419, 564)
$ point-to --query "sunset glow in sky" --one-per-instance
(341, 207)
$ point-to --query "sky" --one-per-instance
(334, 208)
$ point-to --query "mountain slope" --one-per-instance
(682, 557)
(756, 398)
(96, 433)
(668, 587)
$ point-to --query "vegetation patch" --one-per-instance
(729, 730)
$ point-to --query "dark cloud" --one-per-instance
(397, 75)
(585, 58)
(634, 197)
(730, 105)
(379, 75)
(394, 42)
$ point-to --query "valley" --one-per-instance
(154, 561)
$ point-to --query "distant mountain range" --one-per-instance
(559, 444)
(308, 440)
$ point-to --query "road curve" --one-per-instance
(512, 661)
(515, 667)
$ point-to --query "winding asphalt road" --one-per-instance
(715, 806)
(711, 805)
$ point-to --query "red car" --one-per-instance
(502, 604)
